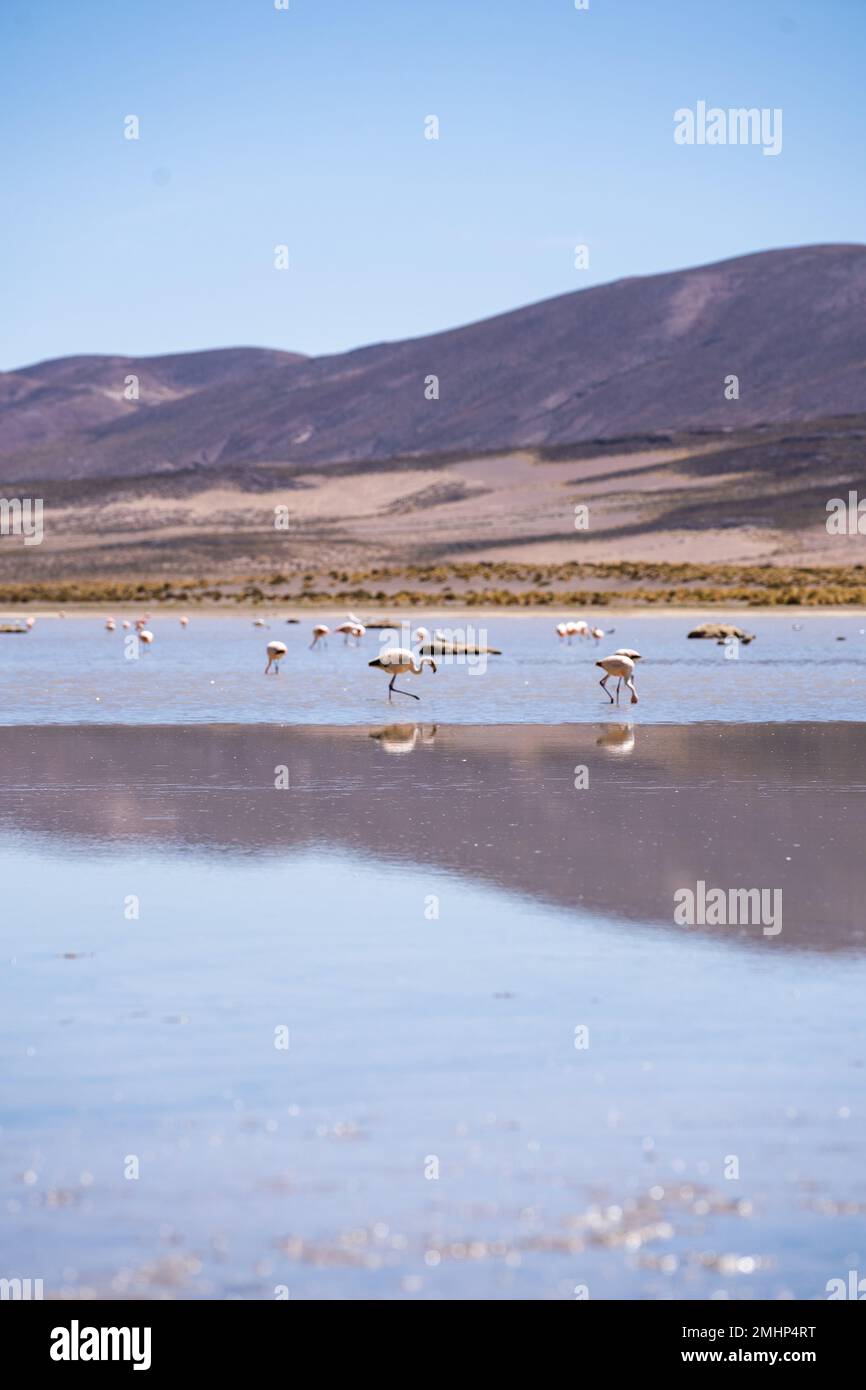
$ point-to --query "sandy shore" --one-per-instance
(447, 616)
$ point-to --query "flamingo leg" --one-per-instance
(603, 683)
(630, 684)
(397, 691)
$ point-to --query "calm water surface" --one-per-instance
(73, 671)
(431, 911)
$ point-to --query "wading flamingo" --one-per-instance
(351, 629)
(621, 666)
(110, 625)
(30, 624)
(562, 630)
(184, 622)
(420, 635)
(276, 651)
(395, 661)
(320, 632)
(145, 636)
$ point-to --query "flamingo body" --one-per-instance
(397, 660)
(622, 667)
(276, 651)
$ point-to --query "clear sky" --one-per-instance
(305, 127)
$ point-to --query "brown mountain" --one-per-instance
(639, 357)
(73, 397)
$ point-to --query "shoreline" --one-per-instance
(467, 612)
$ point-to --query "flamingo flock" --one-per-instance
(579, 628)
(398, 661)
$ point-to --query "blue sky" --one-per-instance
(262, 127)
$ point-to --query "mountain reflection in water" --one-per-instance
(611, 819)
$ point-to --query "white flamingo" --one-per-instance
(621, 666)
(320, 632)
(30, 624)
(184, 622)
(396, 660)
(420, 635)
(145, 636)
(351, 629)
(276, 651)
(110, 625)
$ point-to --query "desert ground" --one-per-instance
(739, 519)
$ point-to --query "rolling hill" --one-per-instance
(639, 356)
(612, 398)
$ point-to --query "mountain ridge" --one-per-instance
(639, 355)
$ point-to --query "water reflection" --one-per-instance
(752, 806)
(402, 738)
(619, 738)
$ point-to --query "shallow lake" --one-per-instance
(73, 671)
(402, 1010)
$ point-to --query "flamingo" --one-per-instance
(184, 622)
(597, 633)
(110, 625)
(621, 666)
(276, 651)
(259, 622)
(350, 629)
(396, 660)
(30, 623)
(126, 625)
(420, 635)
(320, 632)
(145, 636)
(562, 630)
